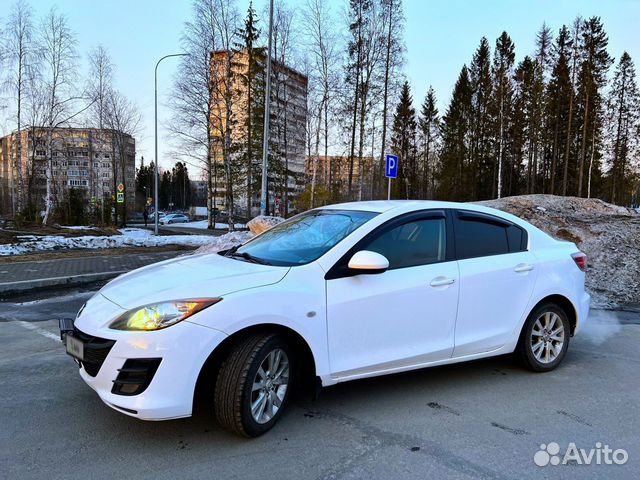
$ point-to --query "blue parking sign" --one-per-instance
(391, 167)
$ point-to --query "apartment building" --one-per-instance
(94, 161)
(334, 170)
(287, 132)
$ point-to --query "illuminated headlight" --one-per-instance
(160, 315)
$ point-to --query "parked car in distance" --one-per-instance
(173, 218)
(334, 294)
(136, 217)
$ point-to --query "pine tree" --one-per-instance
(454, 180)
(403, 144)
(429, 126)
(358, 11)
(503, 61)
(559, 93)
(522, 131)
(624, 115)
(480, 160)
(253, 72)
(591, 80)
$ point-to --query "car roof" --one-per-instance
(381, 206)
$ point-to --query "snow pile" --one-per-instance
(608, 234)
(224, 242)
(77, 227)
(231, 239)
(262, 223)
(130, 237)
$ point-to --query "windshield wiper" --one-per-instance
(249, 258)
(231, 251)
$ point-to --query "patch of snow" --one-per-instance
(131, 237)
(77, 227)
(224, 242)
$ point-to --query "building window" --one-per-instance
(41, 153)
(77, 183)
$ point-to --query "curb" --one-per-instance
(69, 280)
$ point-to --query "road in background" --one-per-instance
(484, 419)
(22, 276)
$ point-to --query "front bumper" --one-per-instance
(181, 350)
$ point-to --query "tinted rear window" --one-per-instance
(477, 238)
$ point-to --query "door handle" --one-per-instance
(442, 281)
(523, 267)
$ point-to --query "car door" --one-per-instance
(497, 278)
(404, 316)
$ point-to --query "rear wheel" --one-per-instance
(545, 338)
(254, 384)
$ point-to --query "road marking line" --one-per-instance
(41, 331)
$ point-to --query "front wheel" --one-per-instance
(545, 338)
(253, 385)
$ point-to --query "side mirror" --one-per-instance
(367, 262)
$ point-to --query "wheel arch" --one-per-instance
(563, 302)
(206, 380)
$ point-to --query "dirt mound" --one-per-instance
(608, 234)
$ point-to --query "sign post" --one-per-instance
(390, 171)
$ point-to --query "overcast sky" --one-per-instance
(440, 37)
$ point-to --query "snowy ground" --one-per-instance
(130, 237)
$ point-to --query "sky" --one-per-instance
(440, 37)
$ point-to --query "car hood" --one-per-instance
(192, 276)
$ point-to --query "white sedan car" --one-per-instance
(173, 218)
(334, 294)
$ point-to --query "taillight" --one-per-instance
(581, 260)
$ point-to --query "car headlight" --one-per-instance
(160, 315)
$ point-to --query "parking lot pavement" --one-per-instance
(27, 276)
(484, 419)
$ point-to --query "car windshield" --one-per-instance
(302, 239)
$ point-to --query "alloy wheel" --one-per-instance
(270, 386)
(547, 337)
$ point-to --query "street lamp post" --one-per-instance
(267, 103)
(155, 180)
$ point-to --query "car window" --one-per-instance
(305, 237)
(420, 242)
(479, 238)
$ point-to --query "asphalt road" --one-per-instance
(484, 419)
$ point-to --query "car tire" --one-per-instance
(544, 339)
(239, 385)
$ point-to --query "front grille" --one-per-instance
(96, 350)
(135, 376)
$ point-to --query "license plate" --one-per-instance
(75, 347)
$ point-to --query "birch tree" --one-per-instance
(58, 73)
(225, 19)
(20, 52)
(192, 122)
(321, 43)
(123, 118)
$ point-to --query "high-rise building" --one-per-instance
(287, 132)
(95, 161)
